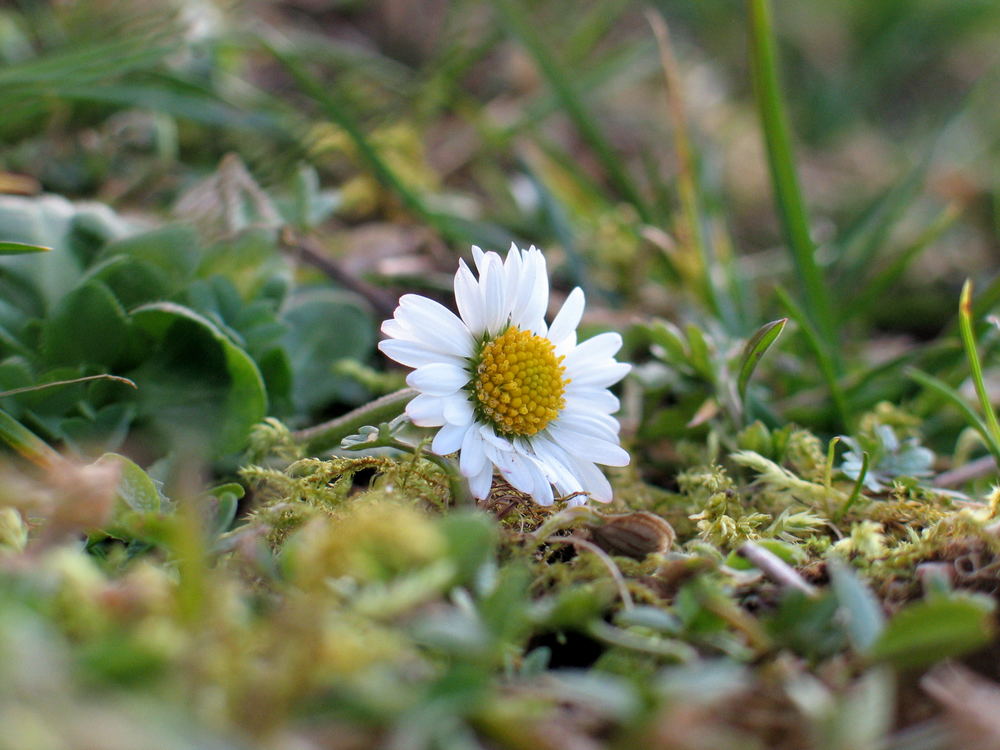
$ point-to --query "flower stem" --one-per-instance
(324, 437)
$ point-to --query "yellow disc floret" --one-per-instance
(519, 382)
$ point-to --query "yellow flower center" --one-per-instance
(519, 382)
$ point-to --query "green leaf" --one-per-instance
(250, 262)
(858, 606)
(197, 383)
(21, 248)
(653, 618)
(75, 231)
(105, 428)
(936, 629)
(325, 326)
(133, 282)
(89, 326)
(172, 251)
(700, 356)
(756, 347)
(136, 489)
(227, 500)
(667, 335)
(470, 538)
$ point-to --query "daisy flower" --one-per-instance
(506, 390)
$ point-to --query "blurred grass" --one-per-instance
(833, 162)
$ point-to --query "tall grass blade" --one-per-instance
(788, 194)
(968, 335)
(861, 243)
(27, 443)
(21, 248)
(879, 284)
(690, 228)
(823, 358)
(449, 227)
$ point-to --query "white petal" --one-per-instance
(491, 281)
(512, 269)
(449, 439)
(418, 332)
(568, 317)
(432, 322)
(480, 483)
(478, 255)
(494, 441)
(599, 376)
(580, 446)
(591, 399)
(471, 457)
(586, 475)
(516, 469)
(594, 482)
(600, 348)
(531, 298)
(590, 424)
(542, 493)
(394, 328)
(558, 465)
(413, 354)
(438, 379)
(591, 414)
(469, 300)
(426, 411)
(458, 411)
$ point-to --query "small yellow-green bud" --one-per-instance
(757, 438)
(13, 531)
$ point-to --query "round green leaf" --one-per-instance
(88, 326)
(326, 326)
(197, 383)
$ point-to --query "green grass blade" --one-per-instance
(625, 63)
(21, 248)
(877, 287)
(561, 82)
(823, 358)
(788, 194)
(690, 230)
(341, 115)
(969, 343)
(27, 443)
(860, 244)
(859, 484)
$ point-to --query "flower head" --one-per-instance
(507, 390)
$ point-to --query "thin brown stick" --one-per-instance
(981, 467)
(308, 251)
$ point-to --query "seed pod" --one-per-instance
(633, 534)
